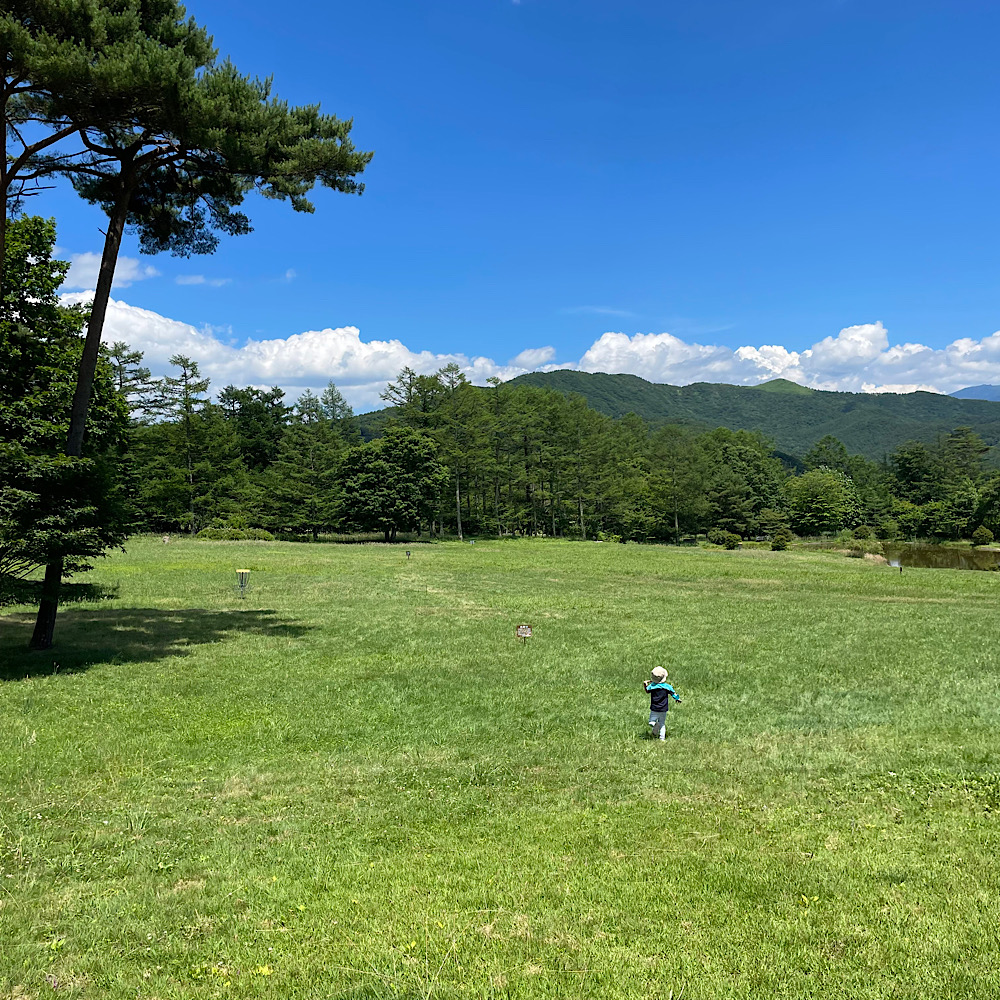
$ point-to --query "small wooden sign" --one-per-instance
(523, 632)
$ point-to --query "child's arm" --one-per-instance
(673, 693)
(645, 685)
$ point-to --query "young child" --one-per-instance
(660, 693)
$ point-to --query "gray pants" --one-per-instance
(658, 722)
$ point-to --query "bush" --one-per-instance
(982, 535)
(780, 540)
(725, 538)
(863, 531)
(236, 535)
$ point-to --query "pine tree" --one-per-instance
(173, 145)
(302, 488)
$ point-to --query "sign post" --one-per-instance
(523, 632)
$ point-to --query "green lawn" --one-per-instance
(357, 783)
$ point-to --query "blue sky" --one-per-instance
(662, 188)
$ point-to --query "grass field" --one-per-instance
(356, 783)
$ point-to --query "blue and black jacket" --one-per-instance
(660, 695)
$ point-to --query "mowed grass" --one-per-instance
(356, 783)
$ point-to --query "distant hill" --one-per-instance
(991, 392)
(783, 385)
(871, 424)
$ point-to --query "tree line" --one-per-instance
(508, 460)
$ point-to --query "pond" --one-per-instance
(940, 557)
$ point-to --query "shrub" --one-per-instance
(725, 538)
(982, 535)
(780, 540)
(863, 531)
(236, 535)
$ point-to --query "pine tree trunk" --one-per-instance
(45, 621)
(583, 526)
(190, 471)
(98, 311)
(677, 530)
(552, 505)
(458, 505)
(4, 191)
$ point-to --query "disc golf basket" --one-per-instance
(243, 582)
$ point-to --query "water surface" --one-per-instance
(940, 556)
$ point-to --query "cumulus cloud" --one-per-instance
(533, 357)
(84, 268)
(858, 359)
(302, 361)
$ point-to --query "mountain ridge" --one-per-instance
(871, 424)
(988, 392)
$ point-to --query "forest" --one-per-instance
(513, 460)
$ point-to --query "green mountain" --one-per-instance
(871, 424)
(783, 385)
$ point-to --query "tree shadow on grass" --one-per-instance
(13, 592)
(128, 635)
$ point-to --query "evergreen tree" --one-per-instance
(744, 478)
(678, 482)
(303, 494)
(258, 419)
(338, 411)
(52, 508)
(132, 379)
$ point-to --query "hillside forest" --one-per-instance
(513, 459)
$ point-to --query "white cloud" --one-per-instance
(304, 360)
(200, 279)
(533, 357)
(858, 359)
(84, 268)
(597, 311)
